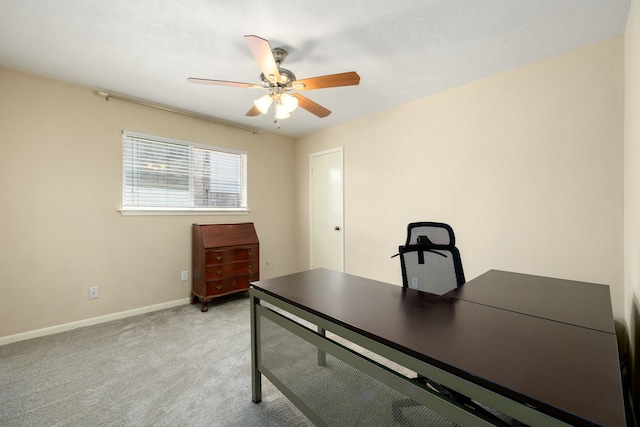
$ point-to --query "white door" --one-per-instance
(327, 234)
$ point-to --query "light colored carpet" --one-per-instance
(176, 367)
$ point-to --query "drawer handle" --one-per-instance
(218, 287)
(249, 253)
(219, 258)
(249, 268)
(219, 272)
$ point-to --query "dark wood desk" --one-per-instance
(575, 303)
(566, 372)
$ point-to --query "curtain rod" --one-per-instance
(107, 95)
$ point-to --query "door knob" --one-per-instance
(337, 228)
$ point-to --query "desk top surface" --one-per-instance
(567, 371)
(575, 303)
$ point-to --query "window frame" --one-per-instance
(174, 210)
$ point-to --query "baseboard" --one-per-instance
(92, 321)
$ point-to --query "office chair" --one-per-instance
(429, 259)
(431, 262)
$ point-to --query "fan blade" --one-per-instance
(223, 83)
(333, 80)
(253, 112)
(311, 106)
(262, 52)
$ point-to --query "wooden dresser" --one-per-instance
(225, 259)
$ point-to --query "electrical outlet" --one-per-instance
(184, 275)
(93, 292)
(414, 283)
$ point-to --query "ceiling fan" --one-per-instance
(280, 81)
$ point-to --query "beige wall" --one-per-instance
(60, 191)
(632, 188)
(526, 166)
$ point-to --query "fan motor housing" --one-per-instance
(287, 78)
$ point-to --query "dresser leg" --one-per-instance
(205, 306)
(194, 299)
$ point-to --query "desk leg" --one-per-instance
(256, 376)
(322, 355)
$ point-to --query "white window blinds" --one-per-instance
(169, 174)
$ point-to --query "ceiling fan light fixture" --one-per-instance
(281, 112)
(263, 103)
(288, 102)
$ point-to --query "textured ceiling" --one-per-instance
(403, 50)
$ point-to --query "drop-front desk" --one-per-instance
(538, 350)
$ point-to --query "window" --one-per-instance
(164, 174)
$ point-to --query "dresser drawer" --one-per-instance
(223, 256)
(240, 268)
(228, 285)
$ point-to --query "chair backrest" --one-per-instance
(429, 259)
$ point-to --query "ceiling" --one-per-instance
(402, 50)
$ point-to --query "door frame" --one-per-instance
(321, 153)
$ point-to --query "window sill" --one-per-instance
(178, 211)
